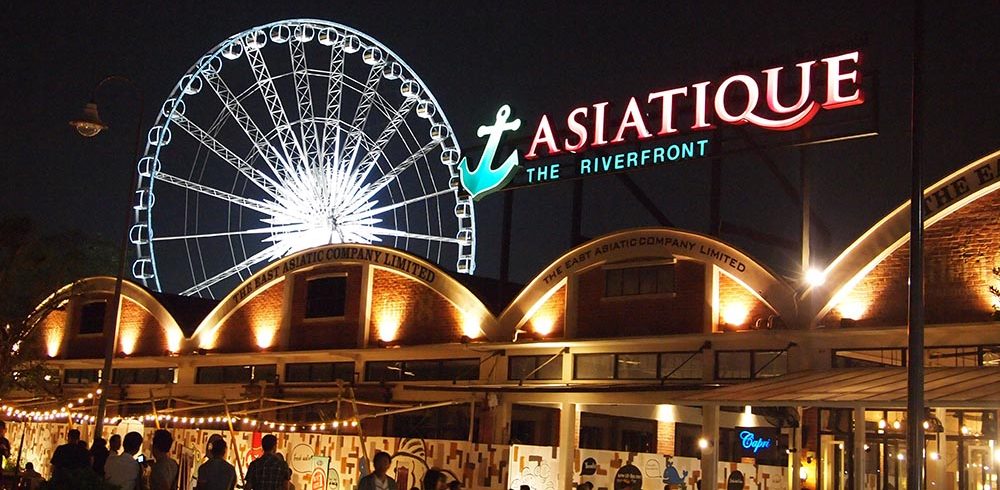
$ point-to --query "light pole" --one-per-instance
(90, 125)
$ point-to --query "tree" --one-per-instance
(32, 266)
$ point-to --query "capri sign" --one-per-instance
(582, 142)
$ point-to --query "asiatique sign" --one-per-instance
(592, 131)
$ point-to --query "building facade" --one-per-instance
(650, 341)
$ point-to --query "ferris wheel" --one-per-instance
(292, 135)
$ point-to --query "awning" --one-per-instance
(885, 387)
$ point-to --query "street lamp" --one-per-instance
(90, 125)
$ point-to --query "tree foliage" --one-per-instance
(32, 266)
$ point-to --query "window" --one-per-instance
(92, 317)
(319, 372)
(81, 376)
(686, 440)
(520, 366)
(636, 366)
(142, 376)
(631, 281)
(424, 370)
(237, 374)
(750, 364)
(952, 357)
(594, 366)
(681, 365)
(326, 296)
(869, 358)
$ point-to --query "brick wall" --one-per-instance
(665, 437)
(642, 315)
(550, 319)
(326, 333)
(960, 252)
(732, 293)
(238, 333)
(418, 314)
(89, 346)
(140, 332)
(53, 332)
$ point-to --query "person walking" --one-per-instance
(122, 469)
(69, 456)
(164, 469)
(379, 480)
(98, 455)
(270, 471)
(216, 473)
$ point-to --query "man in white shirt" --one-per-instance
(122, 469)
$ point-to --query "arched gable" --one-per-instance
(370, 258)
(941, 201)
(644, 243)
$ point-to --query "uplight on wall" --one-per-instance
(174, 337)
(52, 341)
(387, 323)
(543, 324)
(852, 309)
(265, 335)
(471, 326)
(735, 314)
(128, 338)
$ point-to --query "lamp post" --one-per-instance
(90, 125)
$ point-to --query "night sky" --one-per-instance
(547, 58)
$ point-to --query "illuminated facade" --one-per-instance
(652, 341)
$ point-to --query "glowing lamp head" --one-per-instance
(735, 314)
(543, 324)
(703, 443)
(815, 277)
(89, 124)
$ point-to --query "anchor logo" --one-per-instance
(485, 179)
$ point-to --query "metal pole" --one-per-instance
(915, 330)
(112, 340)
(232, 437)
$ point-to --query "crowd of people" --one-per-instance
(118, 462)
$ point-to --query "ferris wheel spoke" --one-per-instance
(335, 86)
(255, 231)
(396, 205)
(259, 206)
(371, 189)
(274, 107)
(303, 93)
(257, 258)
(268, 153)
(349, 152)
(259, 179)
(406, 234)
(375, 151)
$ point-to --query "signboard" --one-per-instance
(591, 137)
(628, 477)
(318, 475)
(735, 481)
(589, 467)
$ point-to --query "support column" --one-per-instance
(710, 455)
(937, 468)
(567, 447)
(859, 449)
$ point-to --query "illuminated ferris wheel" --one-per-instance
(287, 136)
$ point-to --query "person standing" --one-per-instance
(31, 478)
(122, 469)
(4, 443)
(69, 456)
(98, 455)
(115, 444)
(164, 469)
(270, 471)
(379, 480)
(216, 473)
(434, 479)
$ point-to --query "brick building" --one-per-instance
(650, 340)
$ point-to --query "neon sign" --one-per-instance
(485, 179)
(589, 124)
(735, 100)
(749, 440)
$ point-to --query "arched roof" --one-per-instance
(386, 258)
(941, 199)
(106, 284)
(652, 242)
